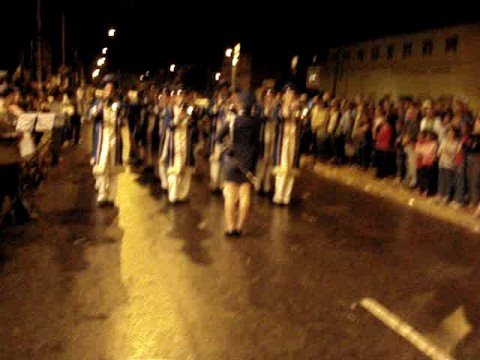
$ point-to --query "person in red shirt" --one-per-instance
(383, 148)
(427, 168)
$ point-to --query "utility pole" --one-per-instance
(39, 45)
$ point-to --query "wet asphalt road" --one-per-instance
(153, 281)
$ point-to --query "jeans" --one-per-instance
(323, 146)
(364, 155)
(427, 179)
(385, 163)
(460, 182)
(411, 166)
(400, 162)
(446, 181)
(473, 177)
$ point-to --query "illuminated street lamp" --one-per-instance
(236, 56)
(101, 61)
(95, 73)
(294, 63)
(111, 32)
(172, 68)
(104, 51)
(217, 76)
(228, 53)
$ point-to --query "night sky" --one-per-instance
(152, 34)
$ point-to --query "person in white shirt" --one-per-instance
(432, 123)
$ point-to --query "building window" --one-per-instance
(346, 55)
(390, 52)
(427, 49)
(451, 44)
(375, 53)
(407, 49)
(360, 55)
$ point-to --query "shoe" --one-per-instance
(437, 199)
(477, 212)
(102, 203)
(230, 234)
(237, 233)
(455, 205)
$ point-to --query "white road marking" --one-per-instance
(403, 329)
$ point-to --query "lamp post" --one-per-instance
(39, 45)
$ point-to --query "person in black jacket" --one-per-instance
(240, 160)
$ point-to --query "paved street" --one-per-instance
(154, 281)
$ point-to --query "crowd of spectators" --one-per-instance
(20, 150)
(432, 146)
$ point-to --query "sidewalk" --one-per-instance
(388, 189)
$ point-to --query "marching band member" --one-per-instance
(165, 119)
(133, 116)
(239, 164)
(286, 159)
(157, 112)
(218, 113)
(107, 143)
(267, 139)
(151, 131)
(178, 150)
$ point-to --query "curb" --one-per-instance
(387, 189)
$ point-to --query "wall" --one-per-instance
(422, 76)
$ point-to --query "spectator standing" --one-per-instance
(319, 122)
(343, 133)
(333, 122)
(10, 157)
(460, 168)
(431, 122)
(426, 151)
(472, 151)
(362, 137)
(383, 150)
(406, 141)
(447, 153)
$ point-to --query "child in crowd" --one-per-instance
(447, 153)
(426, 154)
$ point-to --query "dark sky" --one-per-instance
(152, 34)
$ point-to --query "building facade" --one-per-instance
(430, 64)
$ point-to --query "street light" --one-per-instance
(95, 73)
(228, 52)
(101, 61)
(111, 32)
(294, 63)
(172, 68)
(236, 56)
(104, 51)
(217, 76)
